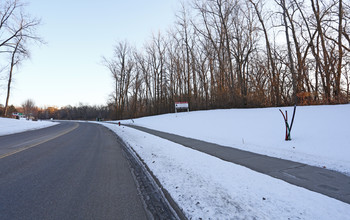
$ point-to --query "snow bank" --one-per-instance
(11, 126)
(319, 135)
(206, 187)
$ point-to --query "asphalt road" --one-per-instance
(68, 171)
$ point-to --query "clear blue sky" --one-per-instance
(68, 70)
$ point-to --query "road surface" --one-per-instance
(68, 171)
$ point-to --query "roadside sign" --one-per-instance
(181, 105)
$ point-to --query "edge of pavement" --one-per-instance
(156, 198)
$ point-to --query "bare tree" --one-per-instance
(270, 58)
(183, 24)
(340, 49)
(121, 66)
(28, 108)
(16, 30)
(285, 15)
(227, 53)
(15, 23)
(18, 54)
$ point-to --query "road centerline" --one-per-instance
(39, 143)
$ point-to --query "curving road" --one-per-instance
(68, 171)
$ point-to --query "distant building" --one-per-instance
(18, 115)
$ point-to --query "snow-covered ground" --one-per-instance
(206, 187)
(11, 126)
(320, 134)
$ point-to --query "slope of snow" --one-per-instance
(320, 134)
(11, 126)
(206, 187)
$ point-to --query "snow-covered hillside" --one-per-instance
(11, 126)
(320, 134)
(206, 187)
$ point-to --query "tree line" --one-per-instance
(217, 54)
(80, 112)
(237, 53)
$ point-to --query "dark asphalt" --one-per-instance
(324, 181)
(13, 143)
(70, 171)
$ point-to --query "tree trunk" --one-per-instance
(290, 56)
(272, 67)
(340, 53)
(13, 63)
